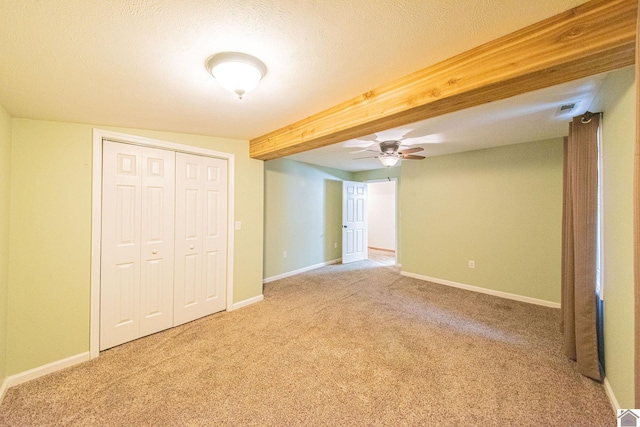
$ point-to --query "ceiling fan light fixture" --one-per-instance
(237, 72)
(388, 161)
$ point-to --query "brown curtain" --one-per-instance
(579, 227)
(636, 222)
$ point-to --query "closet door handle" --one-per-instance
(191, 247)
(155, 251)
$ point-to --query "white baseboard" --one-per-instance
(40, 371)
(3, 388)
(247, 302)
(301, 270)
(611, 396)
(478, 289)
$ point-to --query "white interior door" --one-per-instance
(354, 221)
(214, 245)
(157, 240)
(137, 242)
(201, 256)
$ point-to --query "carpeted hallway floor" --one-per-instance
(354, 344)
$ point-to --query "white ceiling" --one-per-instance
(140, 63)
(533, 116)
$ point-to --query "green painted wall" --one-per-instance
(302, 215)
(617, 101)
(49, 269)
(501, 207)
(5, 191)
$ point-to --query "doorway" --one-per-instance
(382, 206)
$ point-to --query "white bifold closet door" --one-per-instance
(201, 237)
(137, 266)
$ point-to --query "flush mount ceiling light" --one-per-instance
(236, 72)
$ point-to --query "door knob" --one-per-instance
(155, 251)
(191, 247)
(344, 226)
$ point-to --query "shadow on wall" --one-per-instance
(333, 219)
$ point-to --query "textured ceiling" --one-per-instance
(140, 63)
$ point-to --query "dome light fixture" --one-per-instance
(236, 72)
(388, 160)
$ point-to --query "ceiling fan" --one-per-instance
(394, 145)
(390, 153)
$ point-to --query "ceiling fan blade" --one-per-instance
(393, 134)
(358, 143)
(363, 150)
(362, 158)
(412, 157)
(410, 150)
(425, 139)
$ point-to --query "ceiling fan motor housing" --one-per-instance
(389, 147)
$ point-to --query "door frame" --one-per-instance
(96, 216)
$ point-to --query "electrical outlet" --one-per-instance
(335, 245)
(472, 264)
(284, 254)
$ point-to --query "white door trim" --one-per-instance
(96, 217)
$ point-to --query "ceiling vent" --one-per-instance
(566, 109)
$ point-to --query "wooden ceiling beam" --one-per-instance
(589, 39)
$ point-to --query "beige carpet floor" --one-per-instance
(354, 344)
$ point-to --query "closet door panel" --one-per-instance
(136, 283)
(164, 240)
(157, 252)
(191, 279)
(215, 235)
(120, 263)
(188, 235)
(201, 239)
